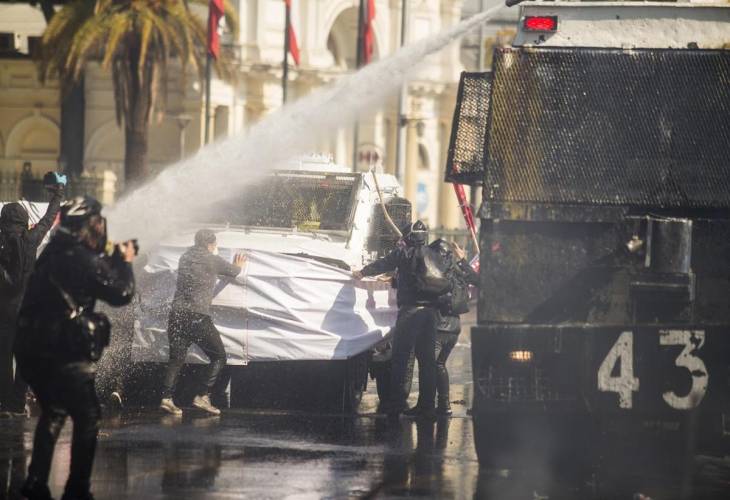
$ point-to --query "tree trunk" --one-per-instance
(136, 138)
(73, 110)
(136, 124)
(73, 114)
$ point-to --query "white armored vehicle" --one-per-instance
(298, 330)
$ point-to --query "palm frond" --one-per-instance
(135, 40)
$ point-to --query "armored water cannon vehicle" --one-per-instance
(297, 328)
(600, 139)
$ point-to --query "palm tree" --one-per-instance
(136, 40)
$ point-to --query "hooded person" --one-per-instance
(18, 249)
(415, 328)
(448, 327)
(190, 320)
(60, 338)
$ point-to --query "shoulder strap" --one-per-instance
(70, 302)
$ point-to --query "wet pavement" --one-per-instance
(258, 454)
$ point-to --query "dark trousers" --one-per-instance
(64, 390)
(445, 342)
(414, 329)
(185, 328)
(12, 465)
(12, 386)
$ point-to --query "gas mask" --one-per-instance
(98, 240)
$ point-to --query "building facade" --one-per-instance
(327, 34)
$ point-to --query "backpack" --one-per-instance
(457, 300)
(7, 283)
(430, 272)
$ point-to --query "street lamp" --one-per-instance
(182, 121)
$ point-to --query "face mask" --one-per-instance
(215, 250)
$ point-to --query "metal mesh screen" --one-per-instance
(465, 163)
(613, 127)
(308, 201)
(383, 239)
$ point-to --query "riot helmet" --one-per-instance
(415, 234)
(81, 218)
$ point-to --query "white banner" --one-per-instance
(281, 307)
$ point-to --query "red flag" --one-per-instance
(293, 45)
(369, 33)
(467, 213)
(215, 12)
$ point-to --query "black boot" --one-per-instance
(33, 489)
(77, 492)
(77, 496)
(413, 412)
(444, 409)
(420, 412)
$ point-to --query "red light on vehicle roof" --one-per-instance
(540, 23)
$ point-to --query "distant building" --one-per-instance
(498, 31)
(326, 30)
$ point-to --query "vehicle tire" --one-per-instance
(381, 373)
(355, 382)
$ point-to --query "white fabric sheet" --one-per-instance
(280, 307)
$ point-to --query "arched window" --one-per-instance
(342, 40)
(34, 137)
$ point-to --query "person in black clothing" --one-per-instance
(54, 355)
(18, 249)
(190, 319)
(448, 326)
(416, 323)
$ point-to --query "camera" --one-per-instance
(135, 244)
(115, 249)
(53, 180)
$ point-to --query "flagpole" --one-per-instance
(358, 64)
(473, 202)
(208, 71)
(401, 121)
(285, 62)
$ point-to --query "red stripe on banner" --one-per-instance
(369, 38)
(215, 13)
(293, 46)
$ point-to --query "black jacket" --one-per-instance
(197, 273)
(19, 248)
(462, 275)
(466, 273)
(401, 259)
(84, 275)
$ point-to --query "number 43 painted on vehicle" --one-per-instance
(625, 384)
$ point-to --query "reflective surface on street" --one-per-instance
(254, 454)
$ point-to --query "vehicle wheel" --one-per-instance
(381, 372)
(355, 383)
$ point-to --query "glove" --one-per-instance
(52, 179)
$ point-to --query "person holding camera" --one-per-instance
(18, 249)
(190, 320)
(60, 338)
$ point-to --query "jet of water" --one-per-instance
(222, 169)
